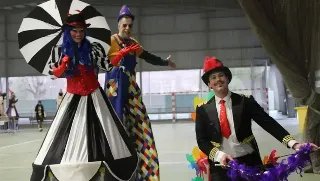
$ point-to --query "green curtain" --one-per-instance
(289, 32)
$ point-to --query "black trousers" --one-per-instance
(220, 174)
(40, 121)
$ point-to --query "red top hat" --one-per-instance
(212, 65)
(77, 19)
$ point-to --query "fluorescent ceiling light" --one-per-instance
(19, 6)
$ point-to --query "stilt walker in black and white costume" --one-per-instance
(86, 141)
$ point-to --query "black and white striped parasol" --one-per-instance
(40, 30)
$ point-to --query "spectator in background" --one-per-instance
(2, 99)
(39, 114)
(2, 112)
(59, 99)
(12, 111)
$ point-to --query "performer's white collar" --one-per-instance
(227, 98)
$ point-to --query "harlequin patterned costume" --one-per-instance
(125, 96)
(86, 140)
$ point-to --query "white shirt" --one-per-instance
(231, 145)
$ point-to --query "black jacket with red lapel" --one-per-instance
(244, 109)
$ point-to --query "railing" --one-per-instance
(27, 113)
(159, 110)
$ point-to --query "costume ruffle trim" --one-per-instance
(88, 171)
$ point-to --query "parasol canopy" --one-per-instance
(41, 30)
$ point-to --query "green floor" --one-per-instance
(174, 141)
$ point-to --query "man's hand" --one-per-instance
(225, 159)
(298, 145)
(171, 64)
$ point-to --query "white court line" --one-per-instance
(8, 168)
(172, 163)
(18, 144)
(161, 163)
(174, 152)
(27, 142)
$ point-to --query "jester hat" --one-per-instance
(125, 11)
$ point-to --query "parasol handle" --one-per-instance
(220, 165)
(217, 164)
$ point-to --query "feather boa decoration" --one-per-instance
(275, 171)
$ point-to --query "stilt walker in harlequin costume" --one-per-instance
(125, 94)
(12, 111)
(86, 140)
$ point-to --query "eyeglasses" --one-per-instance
(125, 25)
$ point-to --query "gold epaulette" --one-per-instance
(286, 139)
(205, 102)
(215, 144)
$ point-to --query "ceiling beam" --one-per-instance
(204, 4)
(200, 4)
(11, 3)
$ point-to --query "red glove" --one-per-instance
(60, 70)
(124, 52)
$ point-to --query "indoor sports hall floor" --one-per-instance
(173, 141)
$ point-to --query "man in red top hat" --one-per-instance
(223, 124)
(125, 94)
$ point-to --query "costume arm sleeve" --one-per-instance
(269, 124)
(149, 57)
(55, 60)
(100, 57)
(153, 59)
(203, 139)
(218, 156)
(114, 49)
